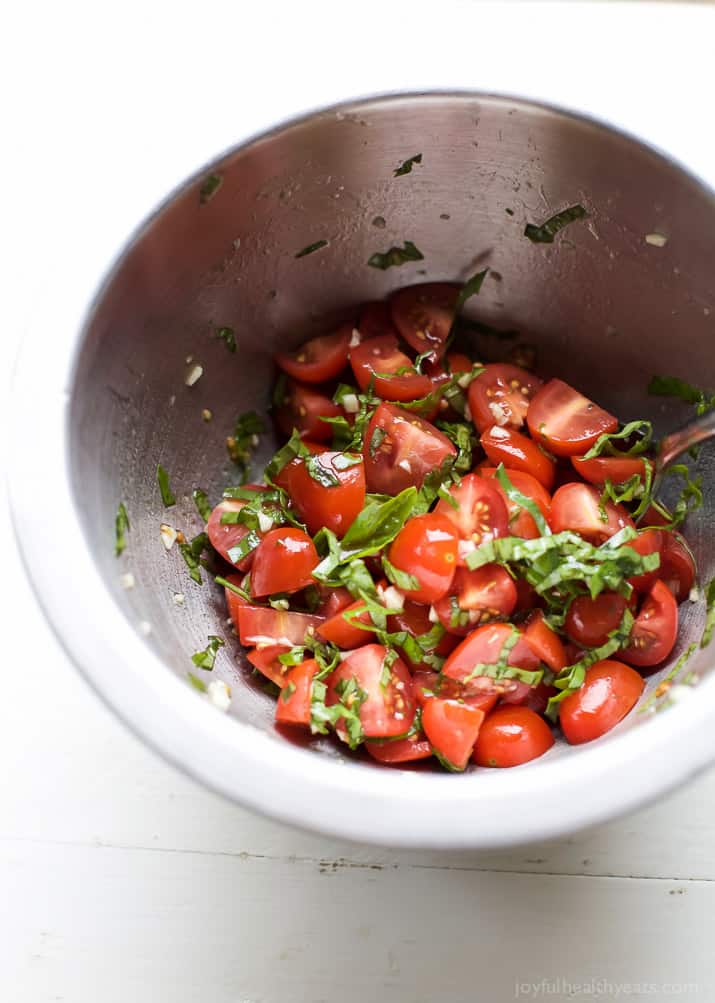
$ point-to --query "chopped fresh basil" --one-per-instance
(322, 475)
(673, 386)
(604, 445)
(346, 460)
(278, 397)
(470, 288)
(402, 579)
(232, 588)
(294, 447)
(197, 683)
(311, 248)
(167, 495)
(121, 526)
(395, 256)
(191, 552)
(691, 494)
(206, 659)
(709, 615)
(545, 232)
(376, 440)
(407, 165)
(244, 547)
(347, 710)
(501, 668)
(227, 335)
(288, 691)
(244, 440)
(201, 501)
(209, 187)
(522, 501)
(664, 685)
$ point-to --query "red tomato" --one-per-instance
(338, 630)
(527, 598)
(452, 728)
(283, 562)
(481, 515)
(401, 750)
(414, 618)
(656, 515)
(576, 507)
(480, 692)
(610, 690)
(319, 359)
(565, 422)
(514, 450)
(225, 536)
(266, 660)
(234, 602)
(511, 736)
(293, 705)
(590, 621)
(302, 408)
(520, 522)
(441, 371)
(264, 625)
(401, 449)
(374, 358)
(375, 320)
(484, 646)
(536, 698)
(426, 547)
(477, 597)
(610, 468)
(501, 396)
(544, 642)
(677, 566)
(321, 503)
(423, 314)
(389, 707)
(655, 629)
(332, 600)
(649, 541)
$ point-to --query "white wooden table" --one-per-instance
(121, 880)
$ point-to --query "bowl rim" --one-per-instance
(257, 769)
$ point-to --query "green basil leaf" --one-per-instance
(241, 444)
(167, 495)
(191, 552)
(545, 232)
(522, 501)
(228, 336)
(209, 187)
(121, 526)
(395, 256)
(709, 615)
(407, 165)
(402, 579)
(201, 501)
(311, 248)
(207, 658)
(294, 447)
(604, 443)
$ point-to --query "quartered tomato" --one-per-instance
(511, 736)
(267, 660)
(375, 320)
(340, 631)
(414, 619)
(565, 422)
(610, 690)
(649, 541)
(590, 621)
(426, 548)
(332, 600)
(520, 522)
(400, 750)
(545, 642)
(423, 314)
(379, 361)
(480, 515)
(484, 647)
(302, 407)
(501, 396)
(480, 692)
(452, 728)
(224, 537)
(264, 625)
(333, 495)
(319, 359)
(477, 597)
(293, 705)
(536, 698)
(516, 451)
(401, 449)
(389, 705)
(677, 565)
(655, 629)
(615, 469)
(576, 507)
(283, 562)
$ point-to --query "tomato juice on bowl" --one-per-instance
(417, 416)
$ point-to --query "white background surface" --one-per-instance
(121, 880)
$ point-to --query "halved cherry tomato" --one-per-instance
(423, 314)
(266, 659)
(544, 642)
(426, 548)
(303, 407)
(400, 750)
(576, 507)
(477, 597)
(332, 600)
(609, 691)
(615, 469)
(223, 536)
(590, 621)
(649, 541)
(481, 514)
(514, 450)
(414, 619)
(283, 562)
(319, 359)
(501, 396)
(343, 633)
(377, 359)
(389, 706)
(536, 698)
(401, 449)
(323, 502)
(376, 320)
(655, 629)
(677, 566)
(520, 522)
(484, 647)
(565, 422)
(480, 692)
(293, 705)
(452, 728)
(511, 736)
(264, 625)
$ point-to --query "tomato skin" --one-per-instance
(610, 690)
(655, 630)
(565, 422)
(423, 314)
(297, 684)
(481, 515)
(486, 594)
(504, 389)
(302, 408)
(480, 692)
(414, 618)
(536, 698)
(452, 729)
(375, 320)
(610, 468)
(484, 645)
(527, 598)
(388, 711)
(380, 356)
(544, 642)
(575, 507)
(401, 449)
(677, 565)
(511, 736)
(507, 446)
(520, 522)
(225, 536)
(334, 506)
(400, 750)
(426, 547)
(332, 600)
(319, 359)
(648, 541)
(234, 602)
(590, 621)
(266, 660)
(344, 634)
(263, 625)
(283, 562)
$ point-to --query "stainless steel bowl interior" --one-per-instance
(605, 308)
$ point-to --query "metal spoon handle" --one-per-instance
(671, 446)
